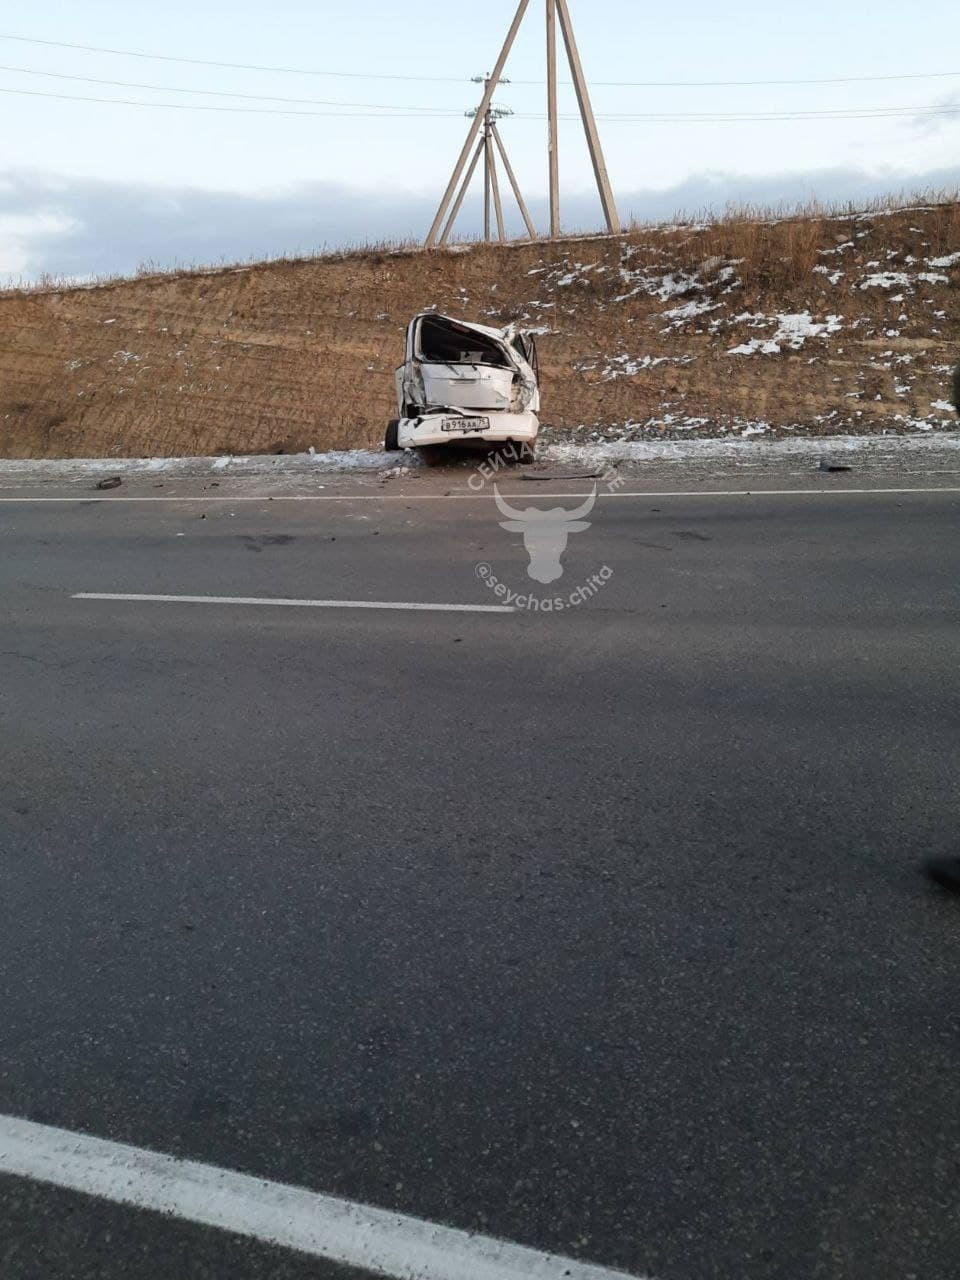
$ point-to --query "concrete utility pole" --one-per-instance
(557, 11)
(586, 115)
(508, 167)
(488, 146)
(477, 122)
(553, 140)
(487, 170)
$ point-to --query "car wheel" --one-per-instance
(391, 441)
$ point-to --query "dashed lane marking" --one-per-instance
(402, 606)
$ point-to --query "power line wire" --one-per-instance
(216, 93)
(837, 113)
(372, 75)
(249, 111)
(759, 117)
(451, 111)
(234, 66)
(654, 118)
(749, 84)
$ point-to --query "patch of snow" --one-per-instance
(761, 346)
(748, 451)
(795, 329)
(901, 280)
(239, 466)
(689, 311)
(942, 406)
(792, 331)
(951, 260)
(887, 280)
(671, 285)
(626, 366)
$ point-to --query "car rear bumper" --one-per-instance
(413, 433)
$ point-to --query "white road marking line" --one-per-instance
(388, 1244)
(298, 604)
(479, 497)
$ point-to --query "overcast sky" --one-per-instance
(88, 187)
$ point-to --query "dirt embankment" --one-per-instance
(818, 323)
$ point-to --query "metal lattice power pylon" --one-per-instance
(483, 139)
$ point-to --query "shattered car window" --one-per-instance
(446, 342)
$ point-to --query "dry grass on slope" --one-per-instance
(821, 321)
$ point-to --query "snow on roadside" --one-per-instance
(748, 451)
(670, 284)
(792, 331)
(346, 460)
(742, 448)
(901, 279)
(626, 366)
(689, 311)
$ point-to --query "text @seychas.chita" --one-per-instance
(543, 604)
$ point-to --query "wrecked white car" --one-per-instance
(462, 383)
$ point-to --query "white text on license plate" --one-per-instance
(465, 424)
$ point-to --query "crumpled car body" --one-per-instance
(464, 383)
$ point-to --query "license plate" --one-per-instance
(465, 424)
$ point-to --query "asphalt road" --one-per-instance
(601, 932)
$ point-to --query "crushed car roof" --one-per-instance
(499, 334)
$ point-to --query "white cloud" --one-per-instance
(22, 236)
(77, 228)
(948, 113)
